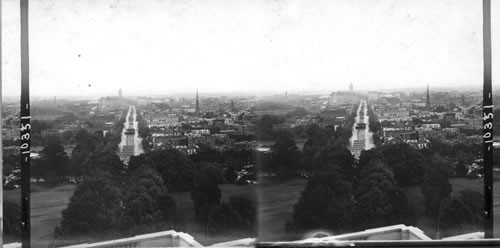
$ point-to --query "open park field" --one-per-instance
(275, 208)
(47, 204)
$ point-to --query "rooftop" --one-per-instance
(179, 239)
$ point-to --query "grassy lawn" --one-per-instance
(496, 206)
(46, 206)
(185, 204)
(276, 207)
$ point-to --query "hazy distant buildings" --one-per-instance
(333, 117)
(343, 97)
(113, 102)
(10, 133)
(161, 119)
(144, 101)
(50, 132)
(373, 96)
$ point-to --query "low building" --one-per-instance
(11, 133)
(50, 132)
(102, 119)
(11, 150)
(280, 127)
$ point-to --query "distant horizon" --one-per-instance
(256, 93)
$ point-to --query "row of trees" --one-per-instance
(461, 214)
(231, 161)
(55, 165)
(144, 133)
(323, 144)
(264, 125)
(239, 213)
(464, 152)
(344, 197)
(375, 127)
(285, 159)
(113, 202)
(428, 170)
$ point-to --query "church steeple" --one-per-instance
(428, 101)
(197, 108)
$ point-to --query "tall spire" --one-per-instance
(428, 101)
(197, 109)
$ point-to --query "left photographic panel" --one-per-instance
(139, 136)
(10, 116)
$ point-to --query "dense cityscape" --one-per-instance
(276, 167)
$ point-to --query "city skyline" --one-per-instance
(191, 94)
(88, 48)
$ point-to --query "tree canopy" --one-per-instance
(285, 156)
(95, 207)
(264, 126)
(326, 202)
(206, 193)
(53, 163)
(436, 185)
(461, 214)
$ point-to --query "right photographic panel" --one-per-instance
(377, 133)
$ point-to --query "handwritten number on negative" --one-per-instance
(25, 127)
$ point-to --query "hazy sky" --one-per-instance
(90, 47)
